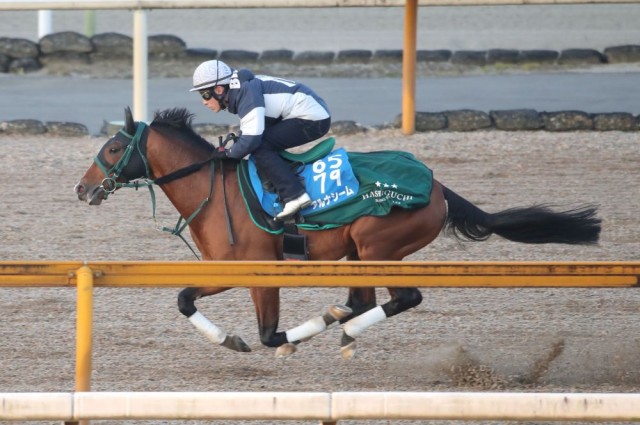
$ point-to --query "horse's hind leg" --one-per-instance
(186, 305)
(366, 313)
(393, 237)
(312, 328)
(402, 299)
(360, 301)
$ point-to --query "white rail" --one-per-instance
(231, 4)
(325, 407)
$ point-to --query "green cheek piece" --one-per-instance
(110, 183)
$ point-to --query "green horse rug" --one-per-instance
(343, 186)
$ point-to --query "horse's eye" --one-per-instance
(114, 150)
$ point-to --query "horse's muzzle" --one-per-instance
(93, 195)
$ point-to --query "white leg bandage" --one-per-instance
(306, 330)
(357, 325)
(211, 331)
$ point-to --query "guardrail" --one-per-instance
(235, 4)
(322, 274)
(328, 408)
(86, 275)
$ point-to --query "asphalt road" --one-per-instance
(369, 102)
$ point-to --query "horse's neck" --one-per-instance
(167, 156)
(213, 203)
(188, 195)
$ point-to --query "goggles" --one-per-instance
(207, 94)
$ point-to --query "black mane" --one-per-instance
(176, 124)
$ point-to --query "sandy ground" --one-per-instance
(473, 339)
(556, 27)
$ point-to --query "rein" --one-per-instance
(137, 142)
(180, 226)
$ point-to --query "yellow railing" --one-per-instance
(87, 275)
(323, 274)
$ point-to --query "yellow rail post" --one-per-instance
(409, 67)
(84, 331)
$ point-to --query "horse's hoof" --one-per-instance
(339, 312)
(348, 351)
(234, 342)
(286, 350)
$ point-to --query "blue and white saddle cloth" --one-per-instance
(329, 181)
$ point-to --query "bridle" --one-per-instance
(136, 144)
(136, 149)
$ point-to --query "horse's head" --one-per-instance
(120, 160)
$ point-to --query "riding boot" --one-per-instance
(293, 206)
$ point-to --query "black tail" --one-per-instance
(536, 224)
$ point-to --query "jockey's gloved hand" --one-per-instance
(219, 154)
(231, 137)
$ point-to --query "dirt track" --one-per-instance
(478, 339)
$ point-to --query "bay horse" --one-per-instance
(170, 154)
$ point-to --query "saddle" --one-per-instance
(294, 245)
(317, 152)
(372, 184)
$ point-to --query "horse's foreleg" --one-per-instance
(186, 305)
(267, 303)
(402, 299)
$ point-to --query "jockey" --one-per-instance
(275, 114)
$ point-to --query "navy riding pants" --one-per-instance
(282, 135)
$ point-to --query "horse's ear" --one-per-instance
(129, 124)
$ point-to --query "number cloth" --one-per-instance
(344, 186)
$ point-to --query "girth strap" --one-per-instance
(294, 245)
(227, 216)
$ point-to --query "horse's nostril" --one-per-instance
(79, 189)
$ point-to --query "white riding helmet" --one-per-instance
(211, 73)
